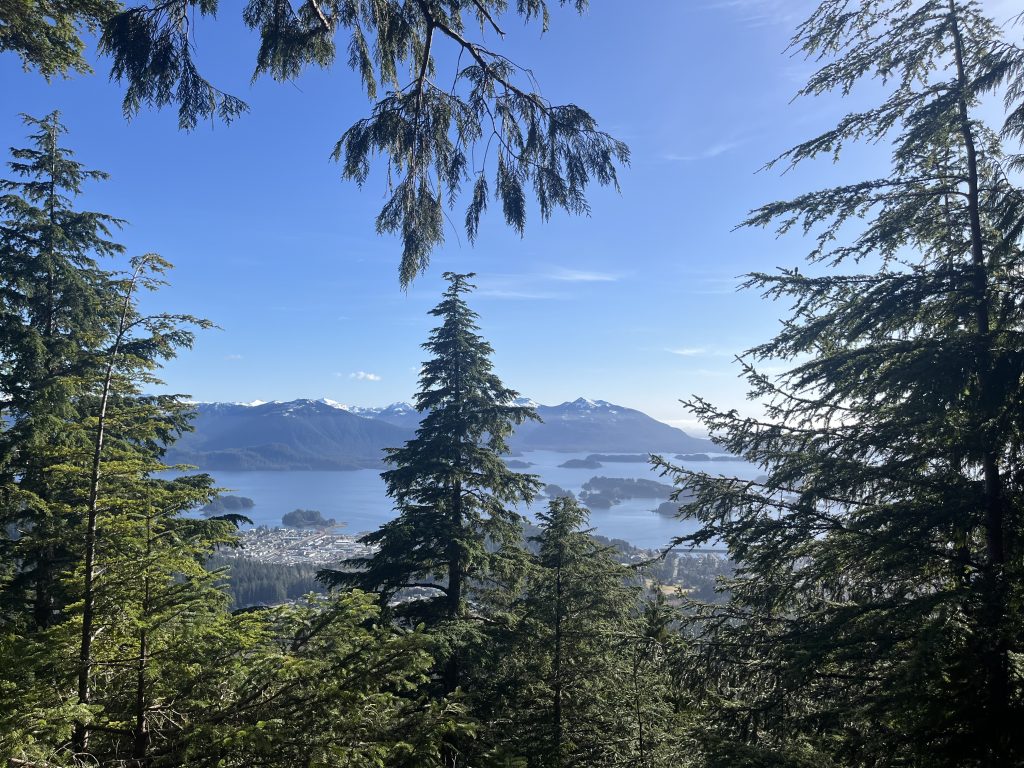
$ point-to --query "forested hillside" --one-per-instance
(859, 604)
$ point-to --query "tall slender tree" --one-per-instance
(55, 312)
(875, 617)
(456, 499)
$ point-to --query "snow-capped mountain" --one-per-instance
(400, 414)
(298, 434)
(326, 434)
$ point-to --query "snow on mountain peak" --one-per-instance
(585, 403)
(334, 404)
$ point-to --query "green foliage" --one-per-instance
(875, 612)
(575, 673)
(47, 34)
(58, 309)
(428, 129)
(316, 684)
(257, 583)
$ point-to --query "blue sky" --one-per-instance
(635, 304)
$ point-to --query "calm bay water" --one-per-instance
(358, 499)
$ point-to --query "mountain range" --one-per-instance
(324, 434)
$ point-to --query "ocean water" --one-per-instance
(358, 500)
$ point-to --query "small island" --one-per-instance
(553, 491)
(693, 457)
(586, 463)
(517, 464)
(227, 504)
(307, 518)
(604, 492)
(622, 458)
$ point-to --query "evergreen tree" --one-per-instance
(79, 447)
(56, 309)
(47, 36)
(457, 523)
(577, 677)
(323, 682)
(875, 614)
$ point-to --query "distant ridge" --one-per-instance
(300, 434)
(598, 426)
(325, 434)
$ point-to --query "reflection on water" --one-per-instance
(358, 499)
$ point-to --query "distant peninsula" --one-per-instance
(587, 463)
(624, 458)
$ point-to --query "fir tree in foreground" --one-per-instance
(875, 618)
(457, 525)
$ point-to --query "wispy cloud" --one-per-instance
(687, 351)
(541, 286)
(708, 153)
(364, 376)
(582, 276)
(502, 293)
(699, 352)
(762, 13)
(232, 357)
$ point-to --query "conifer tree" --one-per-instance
(47, 36)
(456, 499)
(576, 676)
(875, 614)
(56, 309)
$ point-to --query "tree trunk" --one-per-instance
(995, 647)
(81, 735)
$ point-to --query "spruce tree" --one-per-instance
(875, 614)
(457, 522)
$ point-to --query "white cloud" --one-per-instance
(760, 13)
(688, 351)
(364, 376)
(713, 151)
(232, 357)
(500, 293)
(582, 276)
